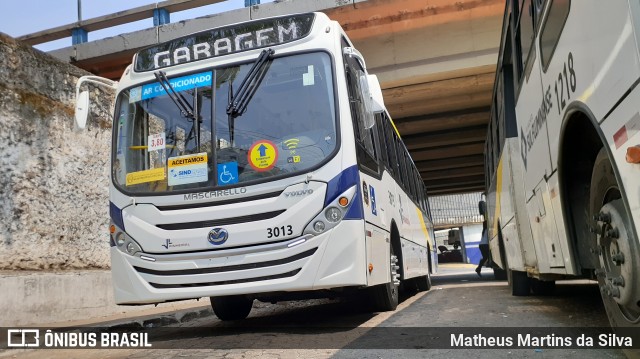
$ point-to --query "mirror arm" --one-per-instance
(97, 80)
(352, 52)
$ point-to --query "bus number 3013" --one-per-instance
(279, 231)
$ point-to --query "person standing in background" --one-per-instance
(484, 248)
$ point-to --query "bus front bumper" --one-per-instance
(333, 259)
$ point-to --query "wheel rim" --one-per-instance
(617, 262)
(395, 275)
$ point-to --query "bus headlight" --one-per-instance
(133, 248)
(120, 239)
(124, 242)
(332, 214)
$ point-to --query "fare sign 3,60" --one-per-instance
(156, 142)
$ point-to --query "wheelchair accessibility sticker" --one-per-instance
(188, 169)
(227, 173)
(263, 155)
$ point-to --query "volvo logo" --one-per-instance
(303, 192)
(218, 236)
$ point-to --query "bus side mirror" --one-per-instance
(82, 98)
(482, 208)
(82, 110)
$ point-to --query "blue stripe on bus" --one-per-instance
(342, 182)
(116, 215)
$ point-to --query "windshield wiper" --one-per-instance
(177, 98)
(238, 102)
(183, 105)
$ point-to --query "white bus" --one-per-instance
(257, 161)
(562, 149)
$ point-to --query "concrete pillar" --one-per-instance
(79, 36)
(161, 16)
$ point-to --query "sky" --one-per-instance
(21, 17)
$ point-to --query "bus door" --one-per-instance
(533, 106)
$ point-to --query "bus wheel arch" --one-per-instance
(580, 143)
(587, 185)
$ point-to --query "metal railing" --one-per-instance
(455, 210)
(158, 11)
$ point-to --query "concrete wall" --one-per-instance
(54, 249)
(53, 181)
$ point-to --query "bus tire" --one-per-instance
(423, 282)
(616, 252)
(520, 285)
(541, 287)
(385, 296)
(499, 274)
(234, 307)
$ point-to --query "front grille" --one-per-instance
(225, 282)
(220, 222)
(219, 203)
(228, 268)
(223, 251)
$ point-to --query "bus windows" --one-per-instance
(552, 28)
(390, 144)
(524, 36)
(384, 155)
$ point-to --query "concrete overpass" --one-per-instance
(435, 59)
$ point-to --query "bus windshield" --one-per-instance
(289, 126)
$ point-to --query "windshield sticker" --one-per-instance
(152, 175)
(307, 78)
(372, 195)
(263, 155)
(293, 159)
(228, 173)
(156, 142)
(188, 169)
(178, 84)
(291, 143)
(135, 94)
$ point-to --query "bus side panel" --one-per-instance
(491, 217)
(378, 214)
(570, 261)
(377, 255)
(596, 58)
(521, 219)
(511, 238)
(593, 65)
(387, 202)
(534, 105)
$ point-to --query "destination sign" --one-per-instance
(224, 41)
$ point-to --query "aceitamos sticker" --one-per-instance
(188, 169)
